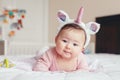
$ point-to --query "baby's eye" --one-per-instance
(64, 41)
(74, 44)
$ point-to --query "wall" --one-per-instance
(93, 9)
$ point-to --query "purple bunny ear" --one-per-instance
(61, 16)
(79, 16)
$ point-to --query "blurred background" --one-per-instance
(40, 22)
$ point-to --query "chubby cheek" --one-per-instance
(59, 48)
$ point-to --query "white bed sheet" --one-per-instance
(103, 67)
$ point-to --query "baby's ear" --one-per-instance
(92, 27)
(62, 16)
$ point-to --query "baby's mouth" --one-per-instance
(67, 52)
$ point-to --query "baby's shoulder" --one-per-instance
(45, 50)
(81, 56)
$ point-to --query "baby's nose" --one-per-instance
(68, 46)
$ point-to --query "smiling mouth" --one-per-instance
(67, 52)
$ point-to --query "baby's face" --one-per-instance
(70, 43)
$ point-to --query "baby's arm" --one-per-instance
(42, 63)
(83, 65)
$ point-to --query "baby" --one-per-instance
(72, 38)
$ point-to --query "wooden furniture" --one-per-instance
(108, 38)
(2, 47)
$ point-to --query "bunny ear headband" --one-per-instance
(89, 28)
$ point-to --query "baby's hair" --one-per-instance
(72, 26)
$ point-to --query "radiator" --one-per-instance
(23, 49)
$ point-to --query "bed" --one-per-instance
(103, 67)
